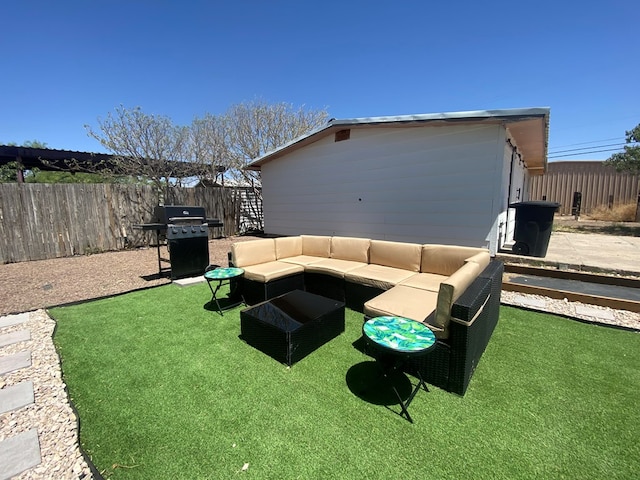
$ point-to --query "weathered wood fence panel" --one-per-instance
(41, 221)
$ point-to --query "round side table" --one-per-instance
(398, 339)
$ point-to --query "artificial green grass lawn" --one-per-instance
(166, 389)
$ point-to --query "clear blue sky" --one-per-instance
(66, 63)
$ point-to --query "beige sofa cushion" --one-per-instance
(303, 260)
(425, 281)
(402, 301)
(316, 246)
(482, 259)
(405, 256)
(253, 252)
(266, 272)
(446, 259)
(288, 247)
(450, 291)
(350, 248)
(333, 266)
(377, 276)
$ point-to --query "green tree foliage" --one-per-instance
(9, 172)
(41, 176)
(629, 159)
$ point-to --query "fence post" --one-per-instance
(575, 206)
(610, 202)
(638, 209)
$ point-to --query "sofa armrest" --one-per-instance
(466, 309)
(474, 317)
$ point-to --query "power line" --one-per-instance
(589, 148)
(584, 153)
(587, 143)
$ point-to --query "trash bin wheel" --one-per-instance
(520, 248)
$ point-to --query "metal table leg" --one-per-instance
(214, 294)
(387, 370)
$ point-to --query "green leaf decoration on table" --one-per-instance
(398, 333)
(223, 273)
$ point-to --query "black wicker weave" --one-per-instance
(255, 291)
(291, 326)
(356, 295)
(325, 285)
(475, 315)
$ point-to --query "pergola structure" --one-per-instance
(49, 159)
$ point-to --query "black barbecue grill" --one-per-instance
(186, 231)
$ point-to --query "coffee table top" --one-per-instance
(223, 273)
(399, 334)
(292, 310)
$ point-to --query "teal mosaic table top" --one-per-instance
(223, 273)
(399, 334)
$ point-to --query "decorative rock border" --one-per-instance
(51, 414)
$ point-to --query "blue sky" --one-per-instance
(66, 63)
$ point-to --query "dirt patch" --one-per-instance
(587, 225)
(38, 284)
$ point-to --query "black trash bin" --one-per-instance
(534, 220)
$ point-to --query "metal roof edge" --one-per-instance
(515, 114)
(462, 115)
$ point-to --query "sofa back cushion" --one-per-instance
(253, 252)
(405, 256)
(451, 289)
(350, 248)
(288, 247)
(316, 246)
(446, 259)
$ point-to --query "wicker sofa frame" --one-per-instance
(450, 366)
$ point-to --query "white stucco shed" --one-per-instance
(437, 178)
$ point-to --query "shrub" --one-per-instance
(618, 213)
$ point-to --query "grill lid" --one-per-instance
(178, 214)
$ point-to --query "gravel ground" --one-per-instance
(38, 284)
(590, 313)
(32, 286)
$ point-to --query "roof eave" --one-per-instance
(538, 119)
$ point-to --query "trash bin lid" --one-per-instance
(535, 203)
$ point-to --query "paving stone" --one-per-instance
(14, 337)
(594, 312)
(530, 302)
(16, 396)
(183, 282)
(16, 361)
(11, 320)
(19, 453)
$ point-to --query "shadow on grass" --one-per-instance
(226, 303)
(365, 380)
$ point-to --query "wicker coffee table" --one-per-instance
(291, 326)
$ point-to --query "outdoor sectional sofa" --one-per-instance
(454, 290)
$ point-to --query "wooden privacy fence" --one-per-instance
(598, 184)
(42, 221)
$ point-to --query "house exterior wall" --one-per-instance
(435, 184)
(515, 182)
